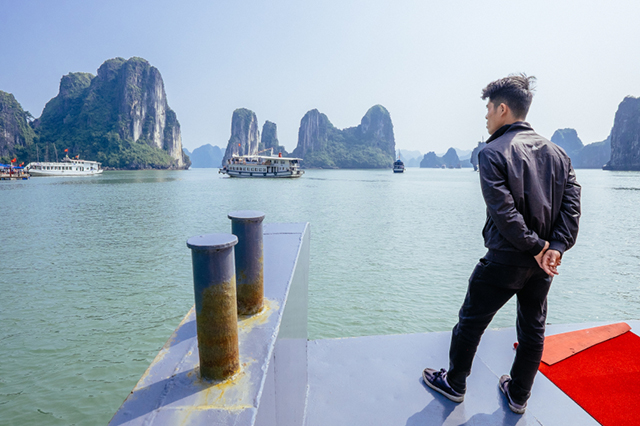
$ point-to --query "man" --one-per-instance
(533, 208)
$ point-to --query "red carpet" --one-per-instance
(603, 379)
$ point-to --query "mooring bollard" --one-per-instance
(247, 226)
(214, 283)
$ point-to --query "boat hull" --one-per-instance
(58, 173)
(278, 175)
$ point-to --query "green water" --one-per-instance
(95, 272)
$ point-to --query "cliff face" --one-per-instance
(625, 137)
(119, 117)
(269, 135)
(376, 128)
(312, 134)
(143, 108)
(244, 134)
(474, 155)
(270, 139)
(592, 156)
(369, 145)
(450, 160)
(206, 156)
(568, 140)
(15, 132)
(431, 161)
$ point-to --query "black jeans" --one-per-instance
(491, 285)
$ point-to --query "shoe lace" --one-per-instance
(440, 373)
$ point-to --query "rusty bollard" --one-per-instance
(214, 283)
(247, 226)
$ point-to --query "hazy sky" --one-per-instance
(425, 61)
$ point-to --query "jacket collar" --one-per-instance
(517, 126)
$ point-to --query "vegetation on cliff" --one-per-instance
(16, 134)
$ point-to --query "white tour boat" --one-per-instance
(66, 167)
(262, 166)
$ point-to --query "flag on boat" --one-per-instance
(14, 160)
(66, 150)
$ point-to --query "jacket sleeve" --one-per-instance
(501, 207)
(565, 228)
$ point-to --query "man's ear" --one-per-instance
(504, 110)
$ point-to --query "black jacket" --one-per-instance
(531, 193)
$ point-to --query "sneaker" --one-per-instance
(437, 380)
(504, 387)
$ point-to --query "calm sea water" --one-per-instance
(95, 273)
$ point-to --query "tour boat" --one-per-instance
(262, 166)
(398, 166)
(66, 167)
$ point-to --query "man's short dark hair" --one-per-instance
(516, 91)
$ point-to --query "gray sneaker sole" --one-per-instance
(516, 409)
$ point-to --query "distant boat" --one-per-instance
(66, 167)
(11, 172)
(398, 166)
(262, 166)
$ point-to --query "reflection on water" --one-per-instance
(110, 179)
(95, 272)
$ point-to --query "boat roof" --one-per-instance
(66, 161)
(269, 157)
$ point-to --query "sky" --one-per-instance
(425, 61)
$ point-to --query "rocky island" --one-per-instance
(591, 156)
(120, 118)
(320, 144)
(449, 160)
(625, 136)
(368, 145)
(205, 156)
(245, 137)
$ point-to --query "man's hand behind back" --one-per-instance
(540, 255)
(550, 262)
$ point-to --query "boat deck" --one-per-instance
(376, 380)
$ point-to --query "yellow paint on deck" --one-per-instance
(247, 322)
(231, 394)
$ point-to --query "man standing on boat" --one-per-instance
(533, 209)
